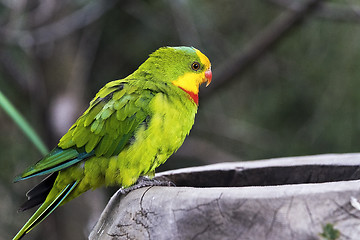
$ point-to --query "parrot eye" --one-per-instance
(195, 66)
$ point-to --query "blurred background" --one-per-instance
(286, 80)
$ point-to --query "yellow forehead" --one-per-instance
(203, 59)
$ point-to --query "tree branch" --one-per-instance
(65, 26)
(329, 11)
(263, 42)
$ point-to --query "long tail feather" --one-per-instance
(44, 210)
(38, 194)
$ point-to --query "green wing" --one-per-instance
(56, 160)
(104, 129)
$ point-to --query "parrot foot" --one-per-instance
(146, 182)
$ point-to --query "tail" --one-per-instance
(44, 210)
(38, 194)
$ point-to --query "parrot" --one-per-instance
(132, 126)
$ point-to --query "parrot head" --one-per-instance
(184, 67)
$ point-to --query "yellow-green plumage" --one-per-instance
(132, 126)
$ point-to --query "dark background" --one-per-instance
(281, 87)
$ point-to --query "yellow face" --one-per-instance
(191, 81)
(204, 60)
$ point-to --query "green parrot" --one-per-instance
(131, 127)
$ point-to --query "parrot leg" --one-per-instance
(144, 181)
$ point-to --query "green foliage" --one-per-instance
(330, 233)
(6, 105)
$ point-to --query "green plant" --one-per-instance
(330, 233)
(22, 123)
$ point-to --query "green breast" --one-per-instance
(152, 144)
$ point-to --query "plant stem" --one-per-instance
(22, 124)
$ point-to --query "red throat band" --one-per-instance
(192, 96)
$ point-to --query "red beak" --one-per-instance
(208, 76)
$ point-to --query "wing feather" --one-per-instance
(104, 129)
